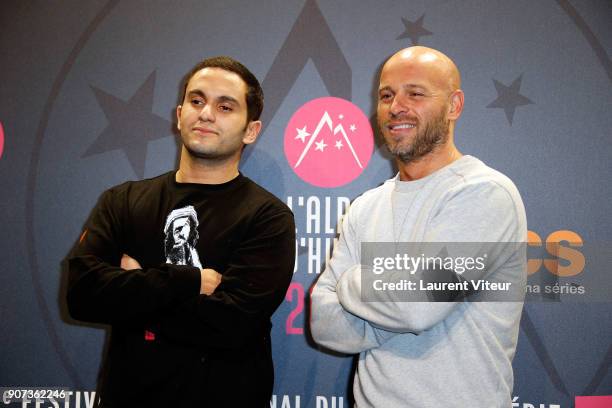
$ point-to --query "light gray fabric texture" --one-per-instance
(426, 354)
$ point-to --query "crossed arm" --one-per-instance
(185, 303)
(332, 325)
(209, 278)
(343, 321)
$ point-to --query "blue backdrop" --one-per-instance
(87, 101)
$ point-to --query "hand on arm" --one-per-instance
(209, 278)
(332, 326)
(128, 263)
(104, 287)
(239, 306)
(456, 221)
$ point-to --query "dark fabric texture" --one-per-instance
(198, 351)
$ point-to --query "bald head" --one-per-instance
(419, 100)
(443, 70)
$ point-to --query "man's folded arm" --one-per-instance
(331, 324)
(495, 221)
(100, 291)
(251, 289)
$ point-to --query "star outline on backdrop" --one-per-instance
(509, 98)
(131, 125)
(414, 30)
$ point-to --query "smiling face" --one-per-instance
(212, 119)
(415, 99)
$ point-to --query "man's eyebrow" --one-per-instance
(227, 98)
(405, 86)
(219, 99)
(196, 92)
(413, 86)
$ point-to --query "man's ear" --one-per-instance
(456, 104)
(178, 116)
(252, 131)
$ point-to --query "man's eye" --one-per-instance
(225, 108)
(197, 102)
(416, 94)
(384, 97)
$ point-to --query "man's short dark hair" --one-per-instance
(254, 96)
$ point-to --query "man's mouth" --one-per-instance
(203, 130)
(400, 126)
(403, 126)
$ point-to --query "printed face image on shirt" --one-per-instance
(181, 230)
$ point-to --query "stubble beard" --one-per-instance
(206, 154)
(426, 140)
(212, 153)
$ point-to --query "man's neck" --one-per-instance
(428, 164)
(199, 171)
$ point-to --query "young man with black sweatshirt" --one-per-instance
(189, 266)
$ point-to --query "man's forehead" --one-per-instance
(405, 75)
(411, 73)
(421, 66)
(217, 81)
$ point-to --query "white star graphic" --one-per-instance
(320, 145)
(340, 116)
(302, 133)
(353, 128)
(339, 144)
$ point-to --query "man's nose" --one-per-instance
(398, 106)
(207, 113)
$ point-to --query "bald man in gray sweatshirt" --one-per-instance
(414, 352)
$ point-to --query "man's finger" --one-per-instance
(129, 263)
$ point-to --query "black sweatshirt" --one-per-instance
(171, 346)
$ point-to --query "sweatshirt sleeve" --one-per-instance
(480, 213)
(251, 289)
(332, 325)
(100, 291)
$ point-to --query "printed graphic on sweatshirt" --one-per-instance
(181, 231)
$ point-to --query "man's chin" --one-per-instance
(202, 153)
(406, 157)
(400, 151)
(410, 155)
(210, 154)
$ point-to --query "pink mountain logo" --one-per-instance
(328, 142)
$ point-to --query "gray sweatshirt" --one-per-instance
(427, 354)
